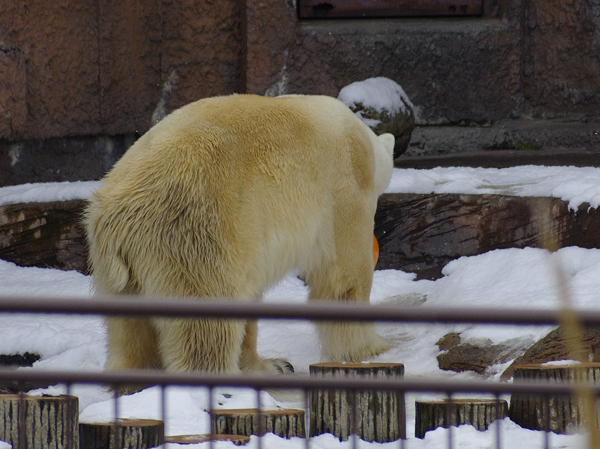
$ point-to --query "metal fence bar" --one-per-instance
(314, 311)
(151, 377)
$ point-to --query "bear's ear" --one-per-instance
(384, 161)
(388, 140)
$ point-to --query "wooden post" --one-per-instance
(39, 421)
(380, 415)
(134, 434)
(480, 413)
(285, 423)
(560, 414)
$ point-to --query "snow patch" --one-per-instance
(378, 93)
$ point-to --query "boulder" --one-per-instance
(553, 348)
(384, 107)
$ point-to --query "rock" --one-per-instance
(384, 107)
(459, 357)
(552, 348)
(449, 341)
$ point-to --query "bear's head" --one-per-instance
(383, 147)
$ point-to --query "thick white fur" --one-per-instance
(220, 200)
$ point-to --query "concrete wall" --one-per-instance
(102, 71)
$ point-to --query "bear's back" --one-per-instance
(240, 185)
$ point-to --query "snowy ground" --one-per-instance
(516, 278)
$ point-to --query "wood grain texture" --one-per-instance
(558, 413)
(39, 422)
(380, 415)
(422, 233)
(286, 423)
(479, 413)
(46, 235)
(132, 434)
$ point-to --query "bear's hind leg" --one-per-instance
(132, 344)
(207, 345)
(251, 362)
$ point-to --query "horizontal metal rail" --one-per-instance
(154, 377)
(121, 306)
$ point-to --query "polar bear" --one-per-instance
(220, 200)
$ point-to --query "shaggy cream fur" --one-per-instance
(221, 199)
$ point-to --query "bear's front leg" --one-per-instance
(251, 362)
(347, 278)
(207, 345)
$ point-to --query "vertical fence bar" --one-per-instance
(354, 421)
(116, 425)
(211, 430)
(69, 432)
(449, 404)
(498, 423)
(306, 420)
(163, 412)
(546, 418)
(259, 417)
(22, 419)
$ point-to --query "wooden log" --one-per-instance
(479, 413)
(422, 233)
(132, 434)
(562, 414)
(286, 423)
(418, 233)
(47, 235)
(238, 440)
(380, 415)
(42, 422)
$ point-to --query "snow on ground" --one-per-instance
(516, 278)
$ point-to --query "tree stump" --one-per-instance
(559, 413)
(380, 415)
(238, 440)
(39, 421)
(133, 434)
(285, 423)
(480, 413)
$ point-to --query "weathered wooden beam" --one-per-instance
(46, 235)
(418, 233)
(422, 233)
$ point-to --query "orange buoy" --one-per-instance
(375, 250)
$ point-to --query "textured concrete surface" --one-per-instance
(71, 69)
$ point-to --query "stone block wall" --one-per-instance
(104, 71)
